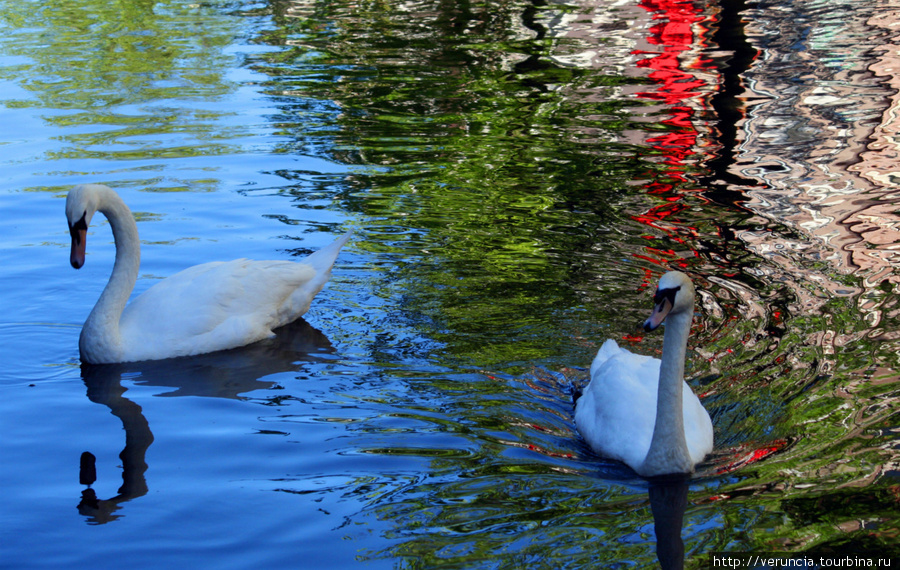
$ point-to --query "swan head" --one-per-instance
(674, 294)
(82, 203)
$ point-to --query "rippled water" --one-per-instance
(517, 175)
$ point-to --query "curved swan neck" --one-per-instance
(668, 448)
(102, 324)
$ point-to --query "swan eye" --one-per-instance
(666, 295)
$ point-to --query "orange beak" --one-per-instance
(79, 236)
(660, 311)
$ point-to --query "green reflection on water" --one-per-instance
(493, 188)
(142, 49)
(129, 81)
(507, 194)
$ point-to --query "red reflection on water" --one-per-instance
(679, 88)
(744, 456)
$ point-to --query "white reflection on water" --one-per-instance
(819, 135)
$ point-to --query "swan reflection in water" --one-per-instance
(668, 501)
(668, 497)
(225, 374)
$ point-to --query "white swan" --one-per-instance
(208, 307)
(618, 414)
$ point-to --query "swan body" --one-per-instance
(638, 409)
(205, 308)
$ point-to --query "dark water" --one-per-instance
(517, 176)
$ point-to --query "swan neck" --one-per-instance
(103, 322)
(668, 451)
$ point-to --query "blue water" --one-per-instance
(516, 177)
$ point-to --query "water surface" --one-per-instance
(517, 176)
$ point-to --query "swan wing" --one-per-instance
(221, 305)
(212, 306)
(617, 410)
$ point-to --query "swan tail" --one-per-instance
(609, 349)
(321, 261)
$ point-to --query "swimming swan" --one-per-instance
(618, 414)
(208, 307)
